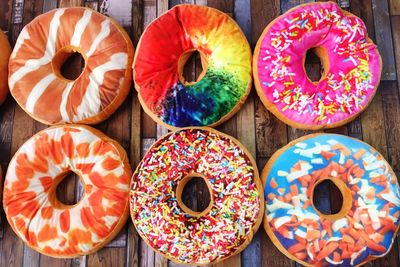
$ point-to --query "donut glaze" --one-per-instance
(352, 66)
(43, 46)
(30, 203)
(236, 207)
(367, 224)
(5, 51)
(163, 50)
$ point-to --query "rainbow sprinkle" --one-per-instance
(236, 198)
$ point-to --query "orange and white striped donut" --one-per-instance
(30, 203)
(5, 51)
(43, 46)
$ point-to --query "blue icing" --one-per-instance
(286, 160)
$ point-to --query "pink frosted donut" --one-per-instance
(352, 66)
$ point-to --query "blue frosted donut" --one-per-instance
(365, 226)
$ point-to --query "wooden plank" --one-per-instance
(70, 3)
(286, 5)
(270, 255)
(384, 38)
(201, 2)
(32, 9)
(107, 258)
(246, 126)
(271, 134)
(391, 107)
(149, 14)
(354, 128)
(132, 255)
(49, 5)
(394, 7)
(148, 133)
(5, 15)
(396, 41)
(373, 125)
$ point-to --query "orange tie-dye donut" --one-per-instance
(5, 51)
(30, 203)
(35, 78)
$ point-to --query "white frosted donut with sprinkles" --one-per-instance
(235, 211)
(368, 221)
(45, 44)
(351, 61)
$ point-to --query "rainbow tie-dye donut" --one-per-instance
(365, 226)
(352, 66)
(44, 45)
(164, 48)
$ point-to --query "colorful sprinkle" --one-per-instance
(347, 85)
(236, 197)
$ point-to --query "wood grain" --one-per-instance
(384, 38)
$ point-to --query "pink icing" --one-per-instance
(350, 81)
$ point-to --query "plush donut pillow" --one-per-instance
(30, 203)
(162, 52)
(5, 51)
(44, 45)
(171, 228)
(352, 66)
(365, 226)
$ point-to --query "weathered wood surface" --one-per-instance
(253, 125)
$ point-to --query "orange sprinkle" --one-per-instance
(327, 155)
(296, 248)
(327, 250)
(294, 190)
(273, 183)
(359, 154)
(313, 234)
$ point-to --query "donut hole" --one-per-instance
(193, 195)
(316, 64)
(68, 63)
(192, 66)
(332, 198)
(68, 189)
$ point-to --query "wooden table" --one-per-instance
(254, 126)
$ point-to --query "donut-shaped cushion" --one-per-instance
(368, 221)
(30, 203)
(45, 44)
(5, 51)
(352, 66)
(235, 211)
(162, 52)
